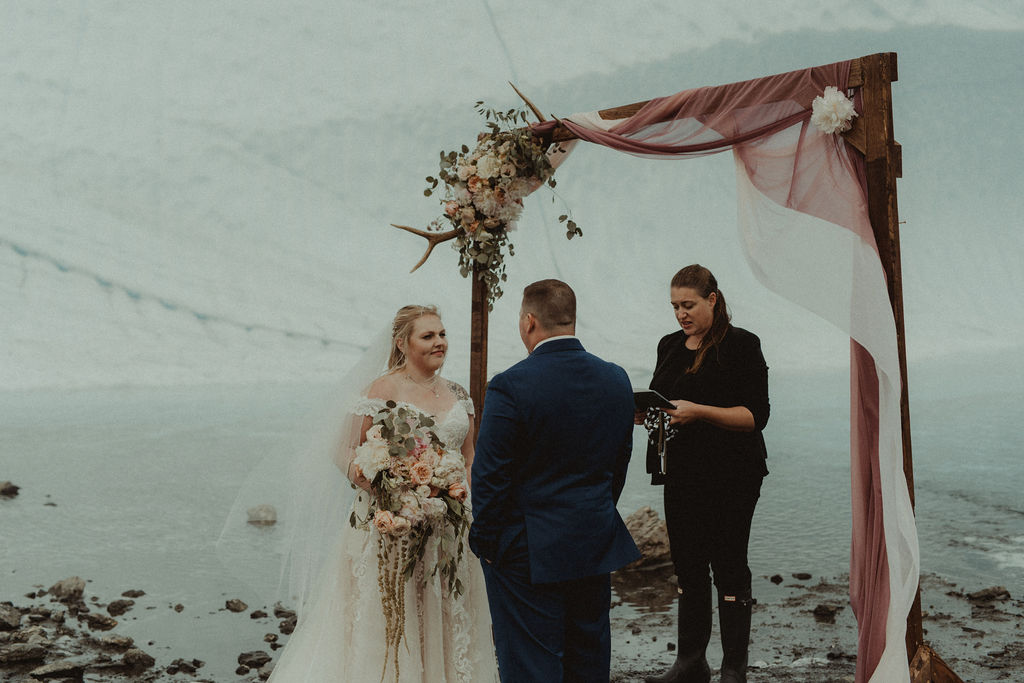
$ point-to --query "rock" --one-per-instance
(826, 614)
(650, 535)
(801, 576)
(119, 607)
(254, 659)
(282, 612)
(776, 579)
(10, 617)
(68, 590)
(138, 660)
(236, 605)
(8, 490)
(65, 668)
(179, 607)
(116, 642)
(258, 614)
(262, 515)
(184, 666)
(22, 652)
(98, 622)
(287, 626)
(270, 638)
(989, 594)
(133, 594)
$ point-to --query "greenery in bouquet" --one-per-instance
(484, 190)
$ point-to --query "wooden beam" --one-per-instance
(478, 346)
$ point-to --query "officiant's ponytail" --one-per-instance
(700, 279)
(401, 330)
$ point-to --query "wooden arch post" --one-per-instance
(478, 346)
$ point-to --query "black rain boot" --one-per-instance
(691, 666)
(734, 620)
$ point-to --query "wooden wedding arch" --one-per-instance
(872, 135)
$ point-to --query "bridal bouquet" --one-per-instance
(418, 488)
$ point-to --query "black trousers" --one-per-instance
(709, 529)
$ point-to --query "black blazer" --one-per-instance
(734, 374)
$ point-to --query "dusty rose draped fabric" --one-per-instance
(806, 234)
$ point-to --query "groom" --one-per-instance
(555, 440)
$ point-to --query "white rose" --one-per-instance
(487, 167)
(466, 171)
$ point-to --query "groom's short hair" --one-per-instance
(552, 303)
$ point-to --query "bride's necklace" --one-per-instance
(430, 385)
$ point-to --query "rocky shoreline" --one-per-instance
(802, 629)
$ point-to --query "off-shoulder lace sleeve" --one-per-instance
(462, 396)
(368, 406)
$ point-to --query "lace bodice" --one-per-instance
(451, 427)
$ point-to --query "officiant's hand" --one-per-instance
(638, 417)
(684, 412)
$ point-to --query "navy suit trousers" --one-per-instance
(550, 632)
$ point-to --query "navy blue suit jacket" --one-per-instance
(551, 457)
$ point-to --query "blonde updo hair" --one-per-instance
(401, 330)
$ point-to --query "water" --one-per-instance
(129, 488)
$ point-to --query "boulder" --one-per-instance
(235, 605)
(64, 668)
(989, 594)
(650, 534)
(10, 617)
(22, 652)
(262, 515)
(98, 622)
(119, 607)
(8, 490)
(68, 590)
(253, 660)
(137, 660)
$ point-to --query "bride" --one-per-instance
(398, 599)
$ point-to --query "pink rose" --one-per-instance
(457, 491)
(451, 208)
(474, 183)
(384, 520)
(420, 473)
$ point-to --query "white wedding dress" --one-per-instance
(341, 634)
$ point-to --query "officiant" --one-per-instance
(710, 455)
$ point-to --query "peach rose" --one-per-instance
(457, 491)
(451, 208)
(384, 520)
(420, 473)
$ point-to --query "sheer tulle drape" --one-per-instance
(806, 234)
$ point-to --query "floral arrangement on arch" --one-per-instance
(483, 192)
(418, 488)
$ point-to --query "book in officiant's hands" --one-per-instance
(645, 399)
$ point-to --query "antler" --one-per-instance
(531, 105)
(434, 239)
